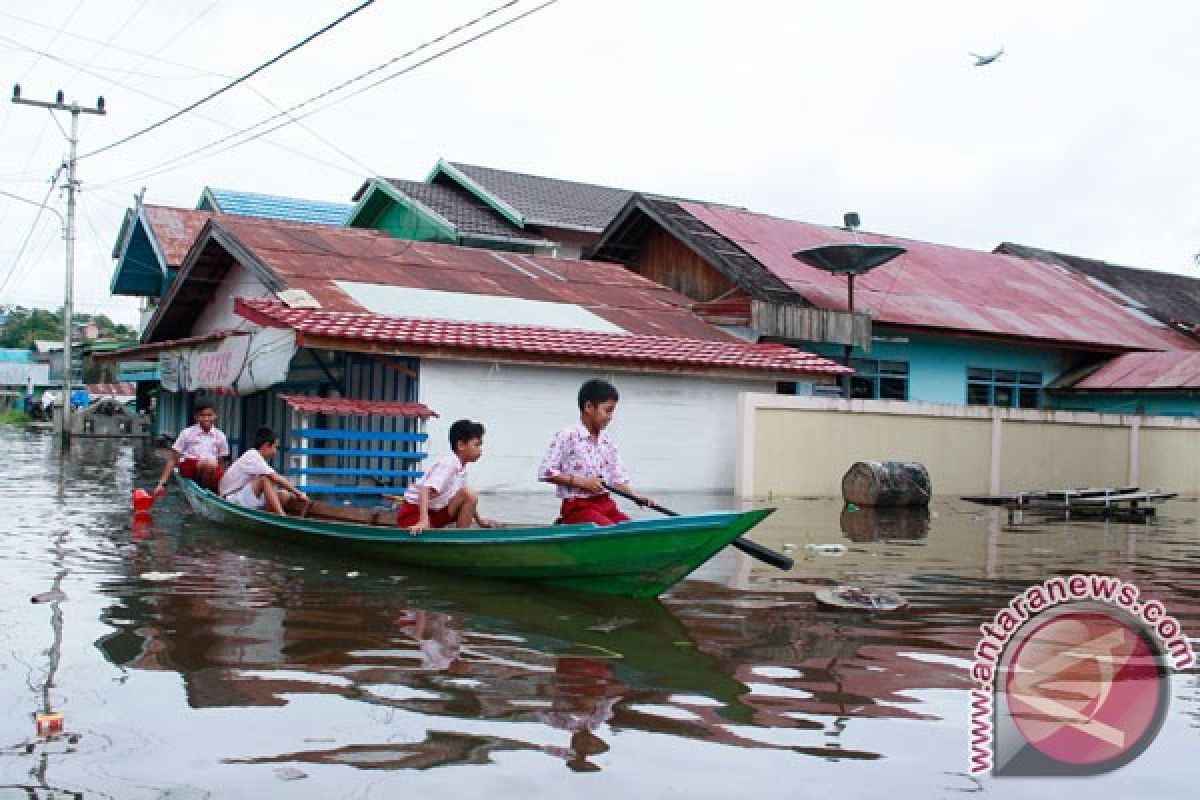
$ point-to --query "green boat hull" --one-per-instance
(641, 558)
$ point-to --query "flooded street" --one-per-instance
(190, 662)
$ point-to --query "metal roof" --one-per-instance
(1164, 295)
(538, 200)
(350, 407)
(140, 351)
(174, 230)
(271, 206)
(1144, 371)
(537, 343)
(315, 258)
(942, 287)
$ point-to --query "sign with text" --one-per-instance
(240, 363)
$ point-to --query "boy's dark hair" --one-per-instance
(596, 392)
(264, 435)
(202, 406)
(464, 431)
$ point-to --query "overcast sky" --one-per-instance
(1081, 138)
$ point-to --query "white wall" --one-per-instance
(218, 314)
(675, 432)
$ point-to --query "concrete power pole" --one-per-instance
(72, 186)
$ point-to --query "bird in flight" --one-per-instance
(983, 61)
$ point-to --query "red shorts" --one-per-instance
(188, 469)
(410, 513)
(599, 509)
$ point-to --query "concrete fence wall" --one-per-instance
(802, 446)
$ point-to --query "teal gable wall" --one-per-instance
(937, 366)
(138, 273)
(382, 213)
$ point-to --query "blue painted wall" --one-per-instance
(937, 371)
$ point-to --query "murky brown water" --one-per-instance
(193, 663)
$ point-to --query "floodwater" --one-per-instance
(189, 662)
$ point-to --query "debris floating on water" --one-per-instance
(832, 549)
(160, 576)
(52, 596)
(856, 598)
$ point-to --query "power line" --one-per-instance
(28, 234)
(168, 165)
(232, 83)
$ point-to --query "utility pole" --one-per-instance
(72, 187)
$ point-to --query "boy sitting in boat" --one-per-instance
(253, 483)
(198, 450)
(583, 458)
(441, 497)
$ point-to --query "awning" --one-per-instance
(350, 407)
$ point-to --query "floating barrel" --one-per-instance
(886, 484)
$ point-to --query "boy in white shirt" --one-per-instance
(253, 483)
(441, 497)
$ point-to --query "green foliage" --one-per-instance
(15, 417)
(24, 325)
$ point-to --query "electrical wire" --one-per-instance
(232, 83)
(25, 242)
(169, 164)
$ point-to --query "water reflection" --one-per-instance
(260, 664)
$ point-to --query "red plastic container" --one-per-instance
(142, 500)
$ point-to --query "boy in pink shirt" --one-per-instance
(581, 459)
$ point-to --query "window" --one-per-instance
(1003, 387)
(879, 380)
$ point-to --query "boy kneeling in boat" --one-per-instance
(583, 458)
(253, 483)
(441, 498)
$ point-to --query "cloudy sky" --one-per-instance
(1081, 138)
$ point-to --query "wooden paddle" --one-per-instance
(753, 549)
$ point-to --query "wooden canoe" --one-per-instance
(640, 558)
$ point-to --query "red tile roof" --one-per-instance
(175, 229)
(552, 344)
(1162, 371)
(946, 288)
(313, 257)
(350, 407)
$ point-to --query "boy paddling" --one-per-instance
(441, 498)
(581, 459)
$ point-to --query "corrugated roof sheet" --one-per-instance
(1164, 295)
(314, 258)
(942, 287)
(1144, 371)
(175, 229)
(528, 340)
(550, 201)
(270, 206)
(350, 407)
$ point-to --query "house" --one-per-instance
(20, 374)
(492, 208)
(153, 239)
(263, 311)
(938, 324)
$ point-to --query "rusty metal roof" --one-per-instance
(140, 351)
(947, 288)
(316, 257)
(350, 407)
(552, 345)
(175, 229)
(1171, 370)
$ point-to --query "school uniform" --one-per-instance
(445, 478)
(237, 484)
(575, 451)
